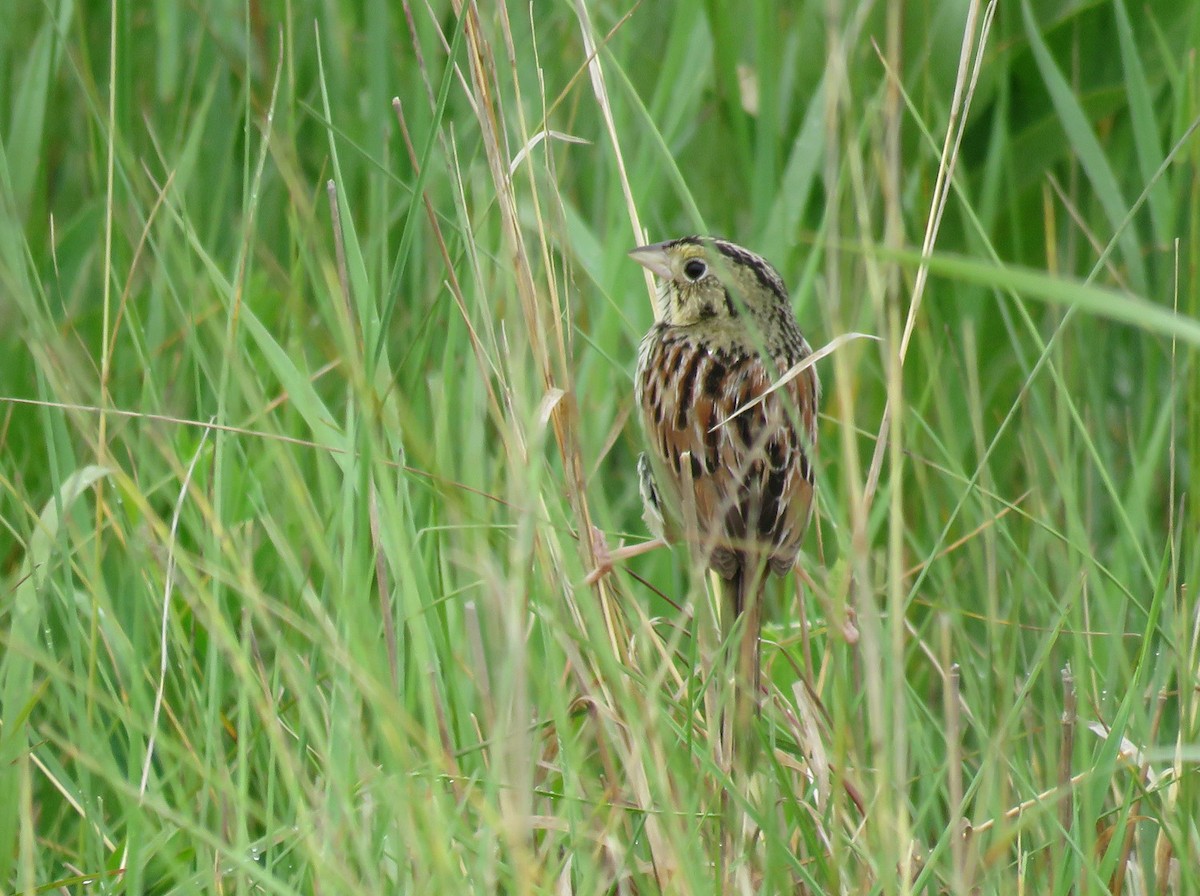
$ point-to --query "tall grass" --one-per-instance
(315, 403)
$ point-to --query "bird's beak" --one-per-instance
(654, 257)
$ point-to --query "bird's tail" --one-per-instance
(742, 618)
(741, 626)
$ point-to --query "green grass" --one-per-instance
(308, 403)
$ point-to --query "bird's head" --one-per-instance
(705, 279)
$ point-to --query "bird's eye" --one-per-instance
(695, 269)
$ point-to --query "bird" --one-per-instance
(729, 411)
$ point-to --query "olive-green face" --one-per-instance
(710, 280)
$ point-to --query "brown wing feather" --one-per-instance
(749, 476)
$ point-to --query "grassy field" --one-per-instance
(317, 335)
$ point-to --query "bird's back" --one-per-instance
(747, 475)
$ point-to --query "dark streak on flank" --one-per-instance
(714, 378)
(776, 454)
(806, 472)
(687, 389)
(712, 447)
(768, 516)
(742, 421)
